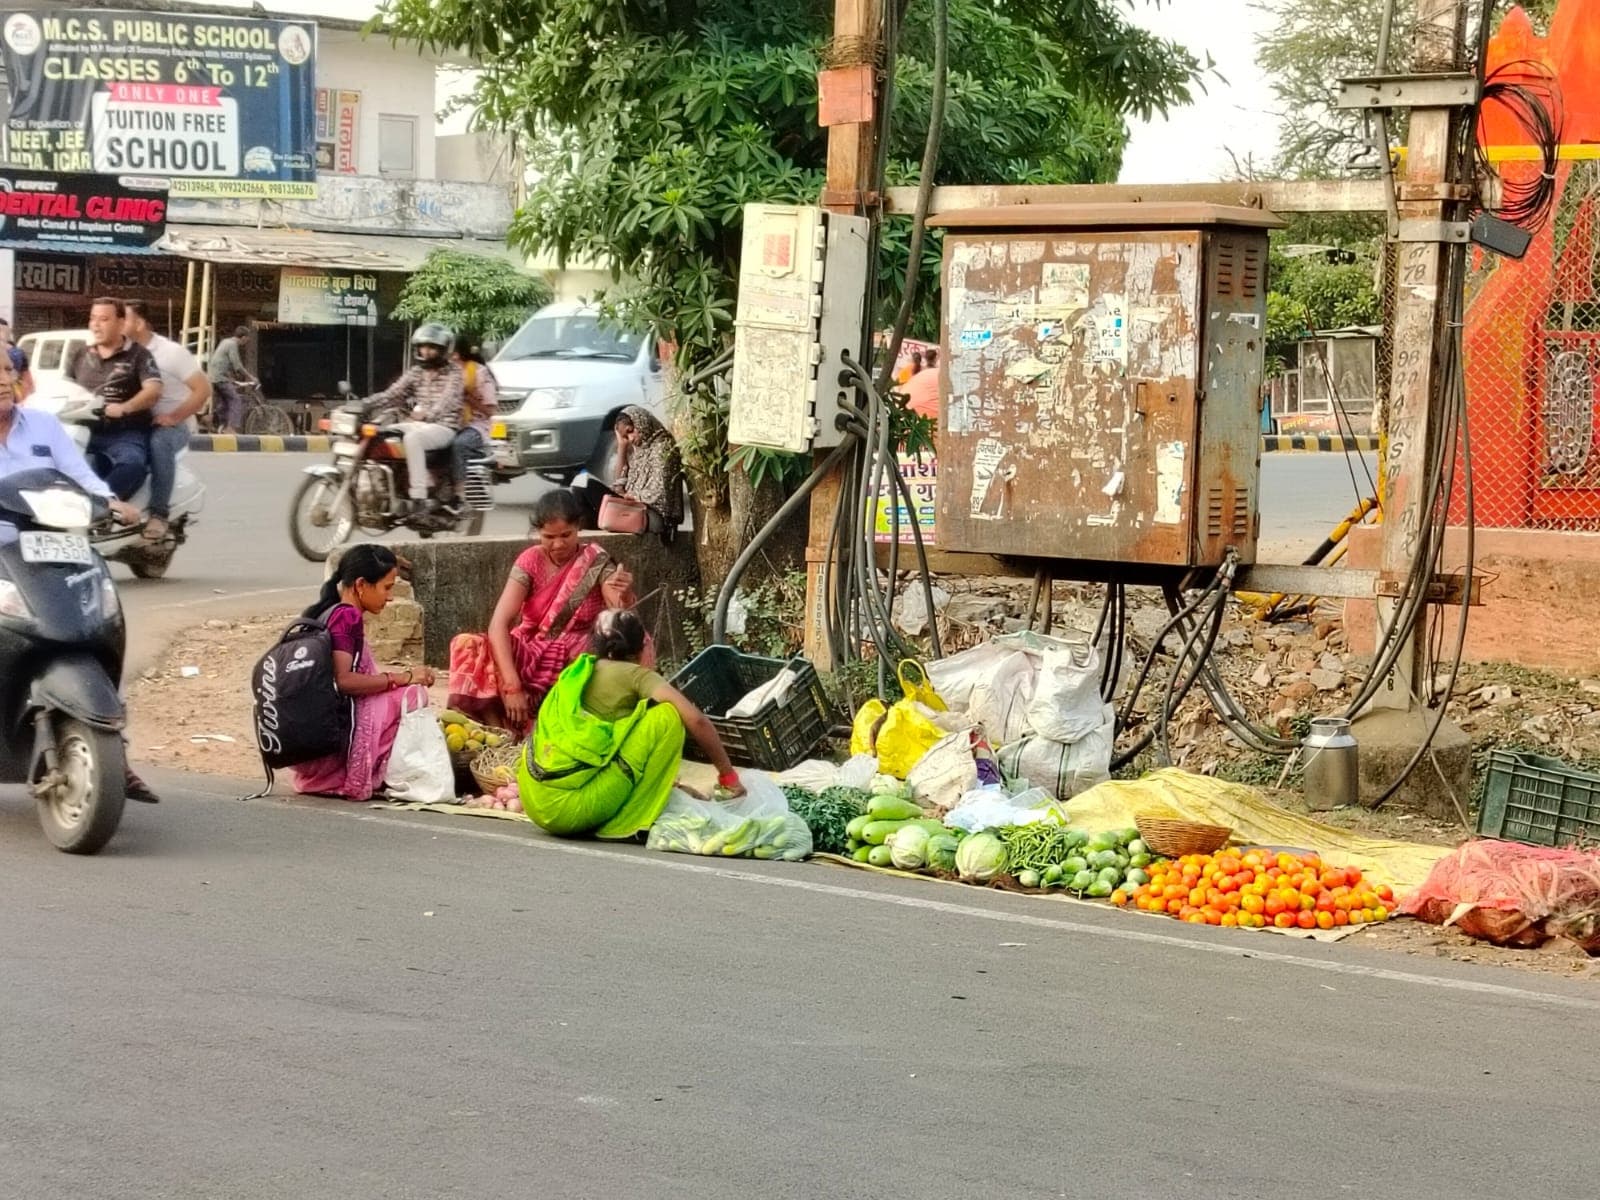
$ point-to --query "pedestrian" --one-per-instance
(123, 374)
(19, 361)
(364, 584)
(226, 371)
(922, 390)
(185, 390)
(609, 741)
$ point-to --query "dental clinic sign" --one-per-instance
(221, 106)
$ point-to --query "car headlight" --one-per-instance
(553, 397)
(110, 602)
(11, 602)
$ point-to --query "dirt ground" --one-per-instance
(192, 713)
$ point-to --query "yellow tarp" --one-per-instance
(1179, 795)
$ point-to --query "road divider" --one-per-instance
(1324, 442)
(265, 443)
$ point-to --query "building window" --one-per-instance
(397, 145)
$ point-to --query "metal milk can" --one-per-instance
(1332, 778)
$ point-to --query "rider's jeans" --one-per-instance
(166, 443)
(126, 454)
(420, 437)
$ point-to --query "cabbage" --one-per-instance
(981, 857)
(942, 852)
(888, 785)
(908, 847)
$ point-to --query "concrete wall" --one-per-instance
(392, 78)
(458, 580)
(1538, 605)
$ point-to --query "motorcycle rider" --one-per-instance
(185, 390)
(123, 374)
(33, 440)
(432, 390)
(478, 413)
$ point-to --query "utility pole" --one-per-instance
(1428, 198)
(848, 109)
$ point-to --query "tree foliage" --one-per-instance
(664, 118)
(472, 293)
(1311, 293)
(1313, 44)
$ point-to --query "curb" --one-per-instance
(1324, 442)
(266, 443)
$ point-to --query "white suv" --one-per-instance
(562, 379)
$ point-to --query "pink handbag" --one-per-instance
(623, 516)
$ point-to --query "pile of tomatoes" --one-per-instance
(1252, 889)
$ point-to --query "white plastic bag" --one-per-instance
(757, 825)
(1060, 769)
(994, 808)
(815, 775)
(857, 771)
(775, 690)
(945, 773)
(419, 764)
(1066, 700)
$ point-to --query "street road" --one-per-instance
(239, 560)
(279, 1000)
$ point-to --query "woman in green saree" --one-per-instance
(606, 749)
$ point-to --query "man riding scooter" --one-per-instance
(33, 440)
(433, 391)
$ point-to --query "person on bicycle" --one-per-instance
(226, 371)
(432, 391)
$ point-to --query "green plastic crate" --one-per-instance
(1538, 800)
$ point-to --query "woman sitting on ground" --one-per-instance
(649, 472)
(364, 584)
(555, 592)
(609, 742)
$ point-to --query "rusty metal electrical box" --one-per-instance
(1101, 381)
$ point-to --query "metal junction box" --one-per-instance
(1101, 387)
(802, 292)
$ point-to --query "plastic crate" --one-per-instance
(1538, 800)
(779, 735)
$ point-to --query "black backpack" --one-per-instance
(300, 714)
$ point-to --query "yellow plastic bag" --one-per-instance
(864, 729)
(907, 734)
(914, 683)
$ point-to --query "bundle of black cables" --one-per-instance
(1529, 91)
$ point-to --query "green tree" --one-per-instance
(1309, 292)
(668, 116)
(472, 293)
(1313, 44)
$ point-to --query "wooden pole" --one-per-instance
(1420, 310)
(852, 159)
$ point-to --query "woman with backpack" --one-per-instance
(364, 584)
(609, 741)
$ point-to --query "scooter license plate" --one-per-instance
(55, 548)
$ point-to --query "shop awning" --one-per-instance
(304, 248)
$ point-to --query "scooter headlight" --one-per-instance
(110, 602)
(11, 602)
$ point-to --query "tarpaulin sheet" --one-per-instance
(1255, 820)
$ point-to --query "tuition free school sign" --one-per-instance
(222, 106)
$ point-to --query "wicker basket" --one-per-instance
(1173, 839)
(462, 759)
(496, 767)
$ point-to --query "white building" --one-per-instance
(388, 191)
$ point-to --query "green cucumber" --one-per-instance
(861, 853)
(880, 856)
(876, 833)
(892, 808)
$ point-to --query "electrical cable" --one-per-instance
(1530, 93)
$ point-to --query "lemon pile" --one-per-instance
(465, 736)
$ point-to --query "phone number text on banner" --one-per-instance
(220, 105)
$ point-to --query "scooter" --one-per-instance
(365, 485)
(78, 410)
(61, 648)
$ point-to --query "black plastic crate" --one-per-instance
(1538, 800)
(779, 735)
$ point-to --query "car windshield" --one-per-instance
(576, 335)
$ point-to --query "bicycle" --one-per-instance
(261, 416)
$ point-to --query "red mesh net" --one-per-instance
(1512, 894)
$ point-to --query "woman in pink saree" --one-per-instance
(556, 591)
(364, 584)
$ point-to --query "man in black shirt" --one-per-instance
(122, 373)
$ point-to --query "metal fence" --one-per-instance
(1532, 339)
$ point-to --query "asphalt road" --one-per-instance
(279, 1000)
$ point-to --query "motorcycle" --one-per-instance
(78, 409)
(61, 648)
(365, 485)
